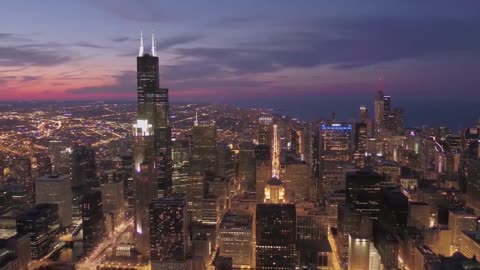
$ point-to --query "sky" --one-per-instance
(306, 58)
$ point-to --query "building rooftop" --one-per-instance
(54, 178)
(232, 220)
(474, 235)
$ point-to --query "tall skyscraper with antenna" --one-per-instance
(153, 150)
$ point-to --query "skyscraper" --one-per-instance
(275, 236)
(168, 233)
(92, 219)
(152, 147)
(56, 189)
(335, 152)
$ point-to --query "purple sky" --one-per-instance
(304, 55)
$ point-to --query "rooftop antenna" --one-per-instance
(153, 45)
(140, 51)
(196, 118)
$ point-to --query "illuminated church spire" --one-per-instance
(140, 51)
(153, 45)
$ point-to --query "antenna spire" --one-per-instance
(153, 45)
(196, 117)
(140, 51)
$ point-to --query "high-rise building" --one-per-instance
(459, 221)
(298, 180)
(153, 144)
(19, 245)
(236, 239)
(113, 200)
(168, 233)
(82, 164)
(275, 236)
(265, 130)
(363, 191)
(203, 163)
(41, 223)
(360, 143)
(56, 189)
(246, 166)
(470, 243)
(335, 153)
(263, 170)
(92, 220)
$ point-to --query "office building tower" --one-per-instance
(265, 130)
(127, 169)
(423, 256)
(459, 221)
(56, 189)
(335, 153)
(153, 144)
(113, 200)
(275, 236)
(363, 192)
(298, 180)
(168, 233)
(225, 161)
(236, 239)
(59, 155)
(360, 144)
(312, 221)
(153, 107)
(19, 245)
(363, 114)
(470, 243)
(246, 166)
(473, 183)
(263, 170)
(92, 220)
(203, 163)
(181, 162)
(315, 254)
(82, 164)
(41, 224)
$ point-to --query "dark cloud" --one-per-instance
(28, 56)
(125, 82)
(345, 44)
(166, 43)
(122, 39)
(90, 45)
(31, 78)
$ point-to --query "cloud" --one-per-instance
(123, 83)
(90, 45)
(122, 39)
(176, 40)
(344, 43)
(21, 56)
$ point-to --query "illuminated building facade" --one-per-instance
(168, 233)
(335, 152)
(152, 143)
(42, 224)
(263, 170)
(92, 220)
(236, 239)
(274, 191)
(459, 221)
(246, 166)
(56, 189)
(275, 237)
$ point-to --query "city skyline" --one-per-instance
(305, 55)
